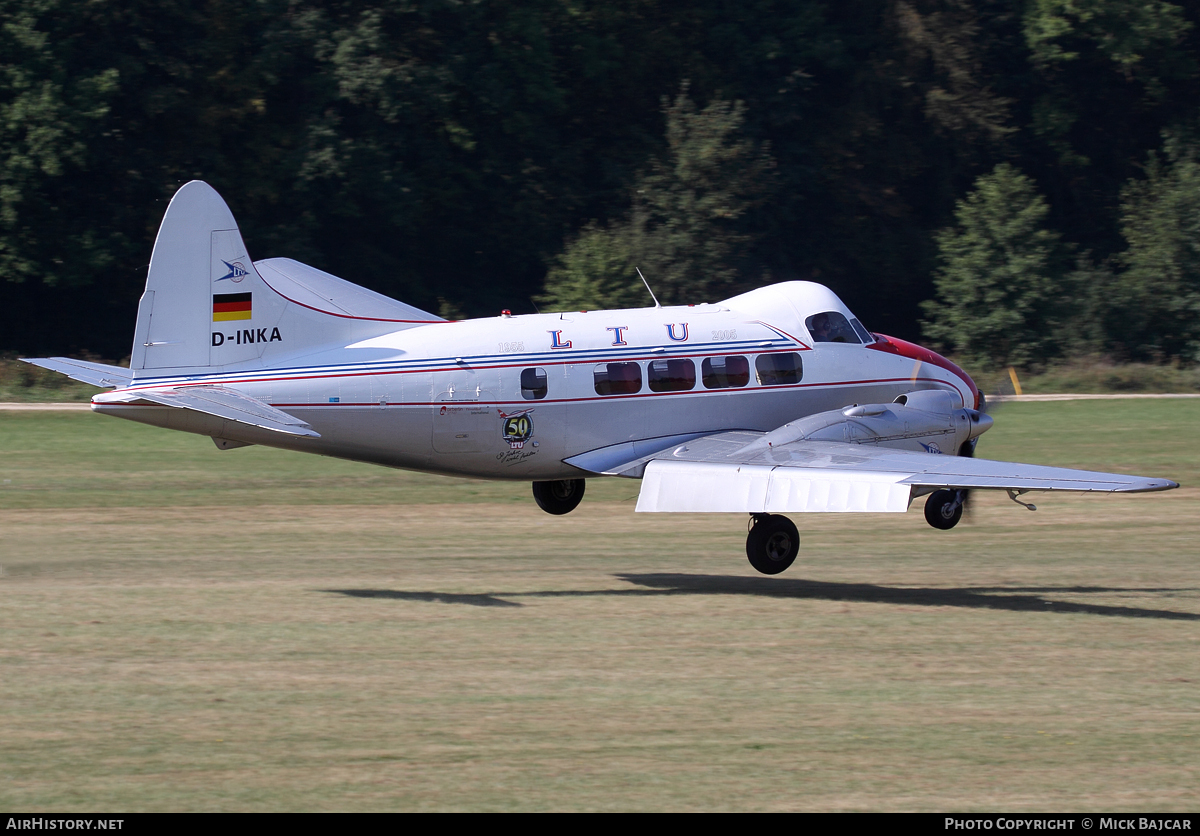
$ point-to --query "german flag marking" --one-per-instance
(231, 306)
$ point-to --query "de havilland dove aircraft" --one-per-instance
(773, 402)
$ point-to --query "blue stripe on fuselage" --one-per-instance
(478, 361)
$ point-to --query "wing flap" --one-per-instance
(94, 374)
(729, 472)
(1060, 479)
(672, 486)
(220, 402)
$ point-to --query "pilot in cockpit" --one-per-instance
(818, 326)
(830, 327)
(833, 327)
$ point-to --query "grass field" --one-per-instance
(189, 629)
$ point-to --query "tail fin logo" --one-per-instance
(237, 271)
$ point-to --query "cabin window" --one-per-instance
(671, 375)
(533, 384)
(618, 378)
(779, 369)
(831, 327)
(725, 372)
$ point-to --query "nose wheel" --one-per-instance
(772, 543)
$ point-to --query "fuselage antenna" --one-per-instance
(647, 284)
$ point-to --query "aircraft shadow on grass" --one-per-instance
(1015, 599)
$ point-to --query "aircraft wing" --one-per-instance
(95, 374)
(220, 402)
(729, 472)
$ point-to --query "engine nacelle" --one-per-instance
(925, 421)
(930, 400)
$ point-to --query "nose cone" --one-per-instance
(980, 422)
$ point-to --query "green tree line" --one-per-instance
(1019, 175)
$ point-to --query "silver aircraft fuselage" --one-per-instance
(454, 397)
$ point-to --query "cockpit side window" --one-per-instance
(863, 333)
(831, 327)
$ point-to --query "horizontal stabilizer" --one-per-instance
(94, 374)
(217, 401)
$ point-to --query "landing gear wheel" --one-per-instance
(944, 509)
(559, 497)
(772, 544)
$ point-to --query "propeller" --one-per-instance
(967, 450)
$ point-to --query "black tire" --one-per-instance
(558, 497)
(772, 544)
(943, 509)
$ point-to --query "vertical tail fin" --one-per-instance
(207, 305)
(200, 276)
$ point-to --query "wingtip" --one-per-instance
(1147, 485)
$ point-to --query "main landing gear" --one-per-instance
(558, 497)
(772, 543)
(944, 508)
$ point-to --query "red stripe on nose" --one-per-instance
(913, 351)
